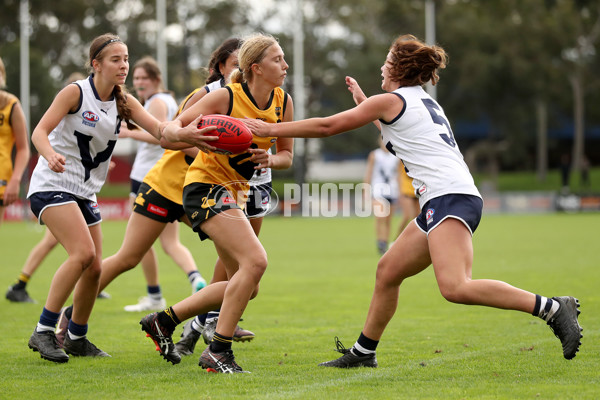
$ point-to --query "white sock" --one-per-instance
(44, 328)
(74, 337)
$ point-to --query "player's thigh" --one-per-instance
(407, 256)
(74, 235)
(451, 248)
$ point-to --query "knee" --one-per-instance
(85, 257)
(258, 266)
(387, 274)
(453, 292)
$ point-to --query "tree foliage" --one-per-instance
(506, 57)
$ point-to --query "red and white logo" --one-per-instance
(429, 215)
(154, 209)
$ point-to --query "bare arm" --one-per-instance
(67, 99)
(19, 128)
(358, 95)
(374, 107)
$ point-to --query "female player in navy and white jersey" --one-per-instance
(381, 176)
(75, 139)
(415, 129)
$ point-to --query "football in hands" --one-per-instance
(234, 135)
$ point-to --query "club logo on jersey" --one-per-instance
(429, 215)
(90, 118)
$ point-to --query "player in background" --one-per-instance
(381, 177)
(220, 182)
(75, 139)
(222, 62)
(409, 203)
(13, 134)
(148, 84)
(415, 129)
(18, 291)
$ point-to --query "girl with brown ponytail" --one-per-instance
(75, 139)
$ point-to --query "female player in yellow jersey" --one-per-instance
(13, 133)
(214, 195)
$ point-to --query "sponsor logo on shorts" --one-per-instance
(154, 209)
(228, 200)
(429, 215)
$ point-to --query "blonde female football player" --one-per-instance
(75, 139)
(148, 84)
(415, 129)
(214, 178)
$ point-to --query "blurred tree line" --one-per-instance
(520, 87)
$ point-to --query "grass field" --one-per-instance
(318, 285)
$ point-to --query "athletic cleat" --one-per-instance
(199, 283)
(223, 363)
(189, 338)
(103, 295)
(242, 335)
(18, 295)
(146, 303)
(82, 348)
(209, 330)
(161, 338)
(565, 326)
(349, 359)
(63, 324)
(46, 344)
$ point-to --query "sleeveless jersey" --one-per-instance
(148, 153)
(234, 171)
(86, 138)
(422, 138)
(261, 176)
(7, 142)
(384, 180)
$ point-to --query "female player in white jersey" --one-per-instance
(415, 129)
(148, 84)
(75, 139)
(381, 176)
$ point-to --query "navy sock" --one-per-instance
(49, 318)
(202, 319)
(77, 330)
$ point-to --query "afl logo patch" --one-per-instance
(429, 215)
(90, 118)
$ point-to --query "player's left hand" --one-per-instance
(260, 157)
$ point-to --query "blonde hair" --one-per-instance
(251, 52)
(415, 63)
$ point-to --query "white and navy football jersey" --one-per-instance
(148, 153)
(261, 176)
(86, 138)
(384, 179)
(422, 138)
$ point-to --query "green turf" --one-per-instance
(318, 285)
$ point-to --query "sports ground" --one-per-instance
(318, 286)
